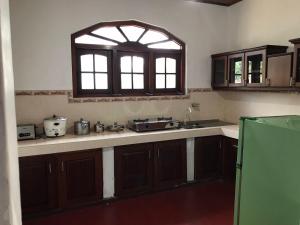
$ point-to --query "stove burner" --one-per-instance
(140, 120)
(164, 118)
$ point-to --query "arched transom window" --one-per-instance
(127, 58)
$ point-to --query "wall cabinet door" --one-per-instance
(230, 148)
(255, 68)
(133, 169)
(38, 180)
(170, 163)
(208, 157)
(80, 178)
(236, 70)
(219, 71)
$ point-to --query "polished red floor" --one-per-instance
(202, 204)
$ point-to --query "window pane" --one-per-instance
(138, 81)
(126, 64)
(160, 81)
(87, 39)
(153, 36)
(132, 32)
(126, 82)
(166, 45)
(87, 81)
(138, 64)
(160, 65)
(171, 81)
(101, 81)
(86, 63)
(171, 65)
(100, 63)
(111, 33)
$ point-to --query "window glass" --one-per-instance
(171, 65)
(87, 81)
(138, 64)
(160, 65)
(111, 33)
(138, 81)
(87, 39)
(171, 81)
(86, 62)
(166, 45)
(100, 63)
(126, 64)
(133, 33)
(101, 80)
(126, 81)
(152, 36)
(160, 81)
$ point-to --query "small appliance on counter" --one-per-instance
(115, 127)
(55, 126)
(26, 132)
(82, 127)
(99, 127)
(160, 123)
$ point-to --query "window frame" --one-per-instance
(114, 76)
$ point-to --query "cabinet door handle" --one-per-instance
(158, 152)
(235, 146)
(50, 168)
(62, 167)
(149, 154)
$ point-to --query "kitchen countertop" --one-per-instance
(70, 142)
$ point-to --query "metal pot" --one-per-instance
(99, 127)
(82, 127)
(55, 126)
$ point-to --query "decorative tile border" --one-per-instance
(72, 100)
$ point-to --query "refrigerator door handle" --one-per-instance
(239, 166)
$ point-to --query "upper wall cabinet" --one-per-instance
(245, 68)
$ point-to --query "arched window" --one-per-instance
(127, 58)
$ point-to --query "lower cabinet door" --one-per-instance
(80, 178)
(170, 163)
(208, 157)
(133, 169)
(230, 147)
(38, 180)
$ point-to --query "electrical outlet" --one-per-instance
(196, 106)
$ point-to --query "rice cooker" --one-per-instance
(55, 126)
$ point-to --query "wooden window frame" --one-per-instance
(131, 48)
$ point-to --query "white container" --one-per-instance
(55, 126)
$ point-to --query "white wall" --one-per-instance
(10, 212)
(41, 35)
(259, 22)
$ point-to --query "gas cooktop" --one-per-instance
(152, 124)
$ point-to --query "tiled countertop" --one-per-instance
(70, 143)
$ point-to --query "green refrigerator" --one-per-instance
(268, 171)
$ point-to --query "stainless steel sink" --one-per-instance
(204, 123)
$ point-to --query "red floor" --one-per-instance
(205, 204)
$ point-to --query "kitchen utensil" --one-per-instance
(99, 127)
(55, 126)
(82, 127)
(26, 132)
(115, 127)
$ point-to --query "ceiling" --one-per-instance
(220, 2)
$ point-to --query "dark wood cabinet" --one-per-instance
(229, 149)
(248, 68)
(133, 169)
(208, 157)
(170, 165)
(59, 181)
(80, 178)
(219, 71)
(296, 66)
(38, 180)
(151, 166)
